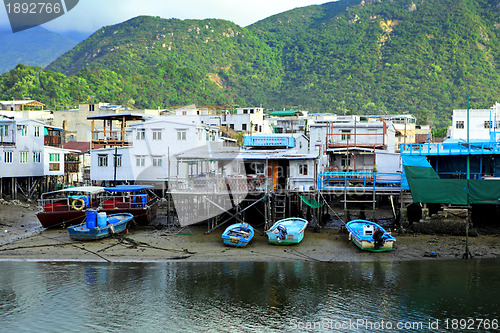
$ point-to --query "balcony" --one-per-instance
(71, 166)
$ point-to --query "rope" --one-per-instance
(331, 208)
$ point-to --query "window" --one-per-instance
(488, 124)
(303, 169)
(23, 157)
(231, 126)
(7, 157)
(24, 130)
(140, 161)
(4, 130)
(141, 134)
(157, 161)
(91, 107)
(243, 127)
(251, 111)
(459, 124)
(54, 167)
(346, 134)
(245, 111)
(37, 157)
(118, 160)
(37, 131)
(102, 160)
(54, 157)
(181, 135)
(156, 134)
(258, 168)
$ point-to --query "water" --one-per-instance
(248, 297)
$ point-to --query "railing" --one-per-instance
(459, 148)
(53, 141)
(375, 181)
(269, 141)
(71, 166)
(214, 184)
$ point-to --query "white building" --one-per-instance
(249, 120)
(149, 157)
(21, 147)
(481, 123)
(77, 127)
(356, 146)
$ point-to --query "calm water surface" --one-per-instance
(250, 297)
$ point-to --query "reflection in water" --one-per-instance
(252, 297)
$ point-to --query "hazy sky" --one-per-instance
(90, 15)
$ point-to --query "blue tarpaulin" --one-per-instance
(129, 188)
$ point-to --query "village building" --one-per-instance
(356, 146)
(76, 126)
(24, 105)
(475, 123)
(404, 125)
(145, 152)
(28, 109)
(249, 120)
(31, 157)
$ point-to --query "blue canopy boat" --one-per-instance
(238, 235)
(104, 226)
(287, 231)
(369, 236)
(138, 200)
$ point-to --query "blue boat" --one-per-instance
(369, 236)
(287, 231)
(238, 235)
(90, 230)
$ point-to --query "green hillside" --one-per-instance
(388, 56)
(370, 56)
(228, 54)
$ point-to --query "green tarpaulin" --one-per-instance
(427, 187)
(311, 202)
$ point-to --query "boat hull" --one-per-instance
(60, 219)
(295, 231)
(370, 246)
(67, 207)
(81, 232)
(365, 241)
(238, 235)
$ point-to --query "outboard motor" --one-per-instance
(378, 237)
(281, 233)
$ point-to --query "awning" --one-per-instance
(129, 188)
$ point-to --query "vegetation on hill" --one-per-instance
(363, 56)
(149, 87)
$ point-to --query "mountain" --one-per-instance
(388, 56)
(36, 47)
(230, 55)
(348, 56)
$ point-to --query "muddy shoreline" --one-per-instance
(22, 239)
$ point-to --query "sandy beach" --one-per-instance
(23, 238)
